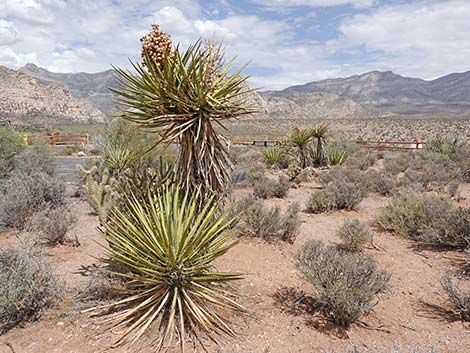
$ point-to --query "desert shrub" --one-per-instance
(411, 213)
(305, 175)
(462, 161)
(458, 298)
(248, 156)
(54, 224)
(246, 175)
(344, 174)
(362, 161)
(25, 194)
(349, 147)
(431, 171)
(293, 171)
(34, 159)
(27, 285)
(11, 144)
(101, 286)
(398, 163)
(381, 183)
(451, 230)
(347, 195)
(354, 235)
(444, 145)
(346, 282)
(266, 188)
(268, 223)
(321, 201)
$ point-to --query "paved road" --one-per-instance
(66, 167)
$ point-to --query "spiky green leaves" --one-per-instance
(164, 250)
(181, 99)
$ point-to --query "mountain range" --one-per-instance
(373, 94)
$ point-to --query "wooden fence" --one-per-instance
(391, 145)
(369, 144)
(60, 140)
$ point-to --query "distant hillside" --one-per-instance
(386, 93)
(24, 98)
(92, 87)
(373, 94)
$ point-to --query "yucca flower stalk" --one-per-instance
(164, 249)
(182, 97)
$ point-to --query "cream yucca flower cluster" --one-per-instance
(156, 45)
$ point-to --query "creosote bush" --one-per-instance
(354, 235)
(458, 297)
(346, 282)
(54, 224)
(267, 188)
(381, 183)
(321, 201)
(27, 285)
(268, 223)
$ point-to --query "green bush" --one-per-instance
(346, 282)
(338, 157)
(54, 224)
(11, 144)
(354, 235)
(268, 223)
(27, 285)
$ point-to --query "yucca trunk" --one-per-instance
(203, 160)
(322, 153)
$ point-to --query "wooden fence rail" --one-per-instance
(369, 144)
(60, 140)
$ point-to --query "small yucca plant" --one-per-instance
(164, 249)
(272, 156)
(300, 139)
(338, 157)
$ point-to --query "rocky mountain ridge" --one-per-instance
(25, 99)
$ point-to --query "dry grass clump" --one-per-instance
(267, 188)
(458, 297)
(362, 161)
(268, 223)
(354, 235)
(54, 224)
(27, 285)
(346, 282)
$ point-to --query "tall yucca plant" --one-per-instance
(319, 132)
(301, 139)
(182, 97)
(164, 249)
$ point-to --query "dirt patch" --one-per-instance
(282, 304)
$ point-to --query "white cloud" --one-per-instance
(10, 58)
(315, 3)
(36, 11)
(8, 33)
(427, 39)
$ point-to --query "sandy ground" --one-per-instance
(411, 312)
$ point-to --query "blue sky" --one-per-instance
(287, 41)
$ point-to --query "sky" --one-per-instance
(287, 42)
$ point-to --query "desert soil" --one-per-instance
(412, 312)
